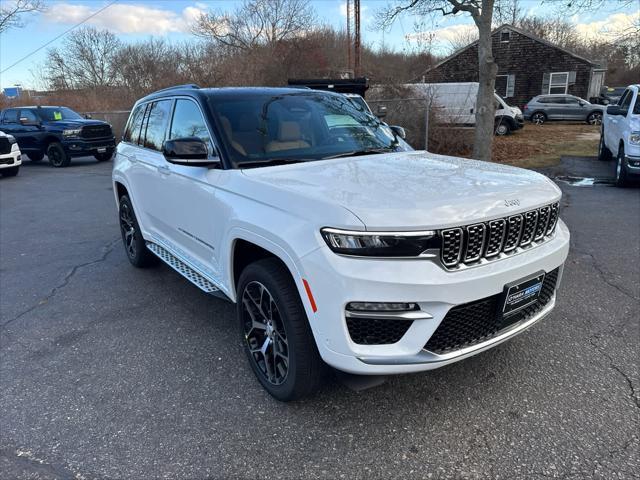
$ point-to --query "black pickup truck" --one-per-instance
(58, 132)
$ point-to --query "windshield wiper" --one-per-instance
(273, 161)
(365, 151)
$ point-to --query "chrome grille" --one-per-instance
(475, 242)
(497, 229)
(471, 243)
(529, 228)
(451, 246)
(553, 218)
(514, 228)
(543, 220)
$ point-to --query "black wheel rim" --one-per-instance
(264, 333)
(55, 157)
(128, 230)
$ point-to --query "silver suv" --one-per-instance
(562, 107)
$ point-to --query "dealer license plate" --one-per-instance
(102, 149)
(522, 294)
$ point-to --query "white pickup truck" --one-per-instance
(10, 156)
(620, 135)
(337, 247)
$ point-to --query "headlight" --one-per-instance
(74, 132)
(634, 138)
(11, 139)
(379, 244)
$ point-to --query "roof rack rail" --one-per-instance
(186, 85)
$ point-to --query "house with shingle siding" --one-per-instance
(527, 66)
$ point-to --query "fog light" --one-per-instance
(381, 307)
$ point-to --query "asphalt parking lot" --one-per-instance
(107, 371)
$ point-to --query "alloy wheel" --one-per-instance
(128, 230)
(595, 119)
(538, 119)
(264, 333)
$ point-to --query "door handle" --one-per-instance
(164, 170)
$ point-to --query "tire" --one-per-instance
(538, 118)
(57, 156)
(10, 172)
(35, 157)
(502, 128)
(134, 245)
(604, 154)
(103, 157)
(622, 177)
(281, 349)
(594, 118)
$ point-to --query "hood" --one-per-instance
(75, 123)
(516, 110)
(416, 190)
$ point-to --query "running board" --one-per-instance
(195, 277)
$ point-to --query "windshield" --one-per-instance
(51, 114)
(298, 126)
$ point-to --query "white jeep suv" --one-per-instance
(10, 156)
(620, 135)
(335, 247)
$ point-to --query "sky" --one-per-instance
(134, 20)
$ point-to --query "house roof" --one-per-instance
(521, 32)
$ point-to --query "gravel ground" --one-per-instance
(107, 371)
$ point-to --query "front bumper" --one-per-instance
(78, 147)
(336, 281)
(633, 164)
(11, 159)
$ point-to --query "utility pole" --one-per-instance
(356, 67)
(348, 34)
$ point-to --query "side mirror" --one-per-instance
(582, 104)
(25, 121)
(190, 151)
(87, 116)
(381, 111)
(615, 110)
(398, 131)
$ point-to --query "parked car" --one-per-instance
(608, 95)
(335, 247)
(58, 132)
(562, 107)
(620, 135)
(455, 103)
(10, 156)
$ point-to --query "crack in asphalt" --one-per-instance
(106, 250)
(632, 390)
(603, 274)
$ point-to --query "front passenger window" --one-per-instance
(188, 122)
(157, 123)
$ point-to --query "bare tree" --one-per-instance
(12, 11)
(257, 22)
(86, 60)
(481, 12)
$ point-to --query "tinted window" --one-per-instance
(157, 122)
(188, 122)
(30, 115)
(636, 107)
(52, 114)
(132, 131)
(624, 96)
(571, 100)
(626, 100)
(10, 116)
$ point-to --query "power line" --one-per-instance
(61, 35)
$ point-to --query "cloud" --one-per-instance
(614, 25)
(126, 18)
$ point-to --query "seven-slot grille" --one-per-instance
(95, 131)
(486, 240)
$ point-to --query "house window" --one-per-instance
(505, 85)
(558, 82)
(504, 36)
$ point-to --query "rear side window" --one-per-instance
(188, 122)
(132, 131)
(10, 116)
(636, 107)
(157, 123)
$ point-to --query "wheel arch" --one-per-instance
(48, 140)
